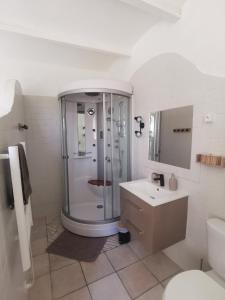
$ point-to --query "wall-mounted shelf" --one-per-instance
(211, 160)
(181, 130)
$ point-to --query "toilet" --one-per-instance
(197, 285)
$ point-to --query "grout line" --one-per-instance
(124, 285)
(122, 267)
(85, 280)
(171, 276)
(159, 282)
(60, 268)
(102, 276)
(83, 273)
(50, 275)
(140, 260)
(151, 272)
(49, 266)
(89, 292)
(147, 290)
(136, 253)
(71, 292)
(52, 271)
(162, 285)
(118, 276)
(114, 272)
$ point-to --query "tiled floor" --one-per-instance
(120, 273)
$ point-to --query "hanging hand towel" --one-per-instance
(25, 177)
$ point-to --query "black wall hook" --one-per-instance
(22, 126)
(139, 120)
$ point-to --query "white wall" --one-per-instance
(42, 115)
(43, 67)
(166, 70)
(11, 273)
(197, 36)
(108, 26)
(41, 79)
(170, 81)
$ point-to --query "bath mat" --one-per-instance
(77, 247)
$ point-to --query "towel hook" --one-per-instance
(22, 126)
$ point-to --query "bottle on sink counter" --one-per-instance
(173, 183)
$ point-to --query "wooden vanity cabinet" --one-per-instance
(157, 227)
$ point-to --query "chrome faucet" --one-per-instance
(158, 177)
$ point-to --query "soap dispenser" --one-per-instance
(173, 183)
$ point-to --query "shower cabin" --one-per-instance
(96, 154)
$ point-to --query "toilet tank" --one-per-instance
(216, 245)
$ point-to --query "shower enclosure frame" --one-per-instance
(92, 228)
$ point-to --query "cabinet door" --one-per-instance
(136, 215)
(170, 222)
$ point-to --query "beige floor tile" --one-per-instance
(121, 257)
(54, 229)
(111, 243)
(161, 266)
(166, 281)
(58, 262)
(39, 221)
(137, 279)
(82, 294)
(41, 289)
(38, 232)
(108, 288)
(155, 293)
(39, 246)
(138, 249)
(67, 280)
(41, 265)
(98, 269)
(50, 219)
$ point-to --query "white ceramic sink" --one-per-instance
(152, 193)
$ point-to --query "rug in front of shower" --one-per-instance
(77, 247)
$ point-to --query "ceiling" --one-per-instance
(107, 26)
(169, 7)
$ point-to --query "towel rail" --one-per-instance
(23, 212)
(4, 156)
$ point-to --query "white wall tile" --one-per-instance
(42, 115)
(170, 81)
(11, 274)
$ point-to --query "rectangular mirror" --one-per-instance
(170, 136)
(81, 129)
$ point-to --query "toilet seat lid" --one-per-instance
(193, 285)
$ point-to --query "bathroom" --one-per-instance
(87, 96)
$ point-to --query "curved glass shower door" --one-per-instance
(95, 150)
(116, 149)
